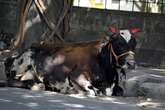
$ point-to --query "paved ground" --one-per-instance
(144, 71)
(148, 82)
(20, 99)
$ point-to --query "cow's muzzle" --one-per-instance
(130, 61)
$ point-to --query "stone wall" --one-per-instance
(9, 17)
(9, 13)
(87, 24)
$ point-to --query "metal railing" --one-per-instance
(146, 6)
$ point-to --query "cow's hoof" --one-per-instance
(91, 93)
(38, 87)
(118, 91)
(108, 92)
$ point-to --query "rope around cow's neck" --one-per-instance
(118, 56)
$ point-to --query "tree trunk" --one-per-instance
(41, 21)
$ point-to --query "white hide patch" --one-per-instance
(27, 76)
(109, 91)
(50, 62)
(83, 81)
(59, 60)
(126, 34)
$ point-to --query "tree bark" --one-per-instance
(42, 21)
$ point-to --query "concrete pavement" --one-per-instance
(146, 80)
(20, 99)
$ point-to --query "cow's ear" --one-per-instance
(113, 29)
(113, 37)
(112, 32)
(135, 30)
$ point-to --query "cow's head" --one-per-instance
(122, 46)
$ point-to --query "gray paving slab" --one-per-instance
(20, 99)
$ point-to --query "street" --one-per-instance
(20, 99)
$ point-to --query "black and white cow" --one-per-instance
(77, 66)
(116, 57)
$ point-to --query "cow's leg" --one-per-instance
(113, 88)
(117, 90)
(82, 83)
(86, 84)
